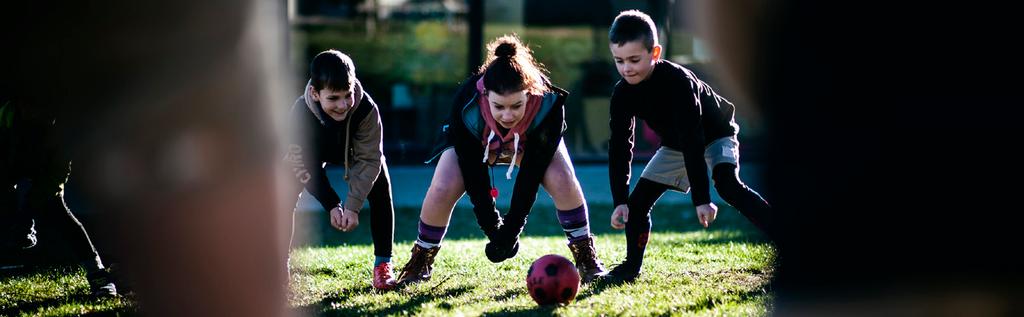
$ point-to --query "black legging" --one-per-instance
(745, 200)
(638, 228)
(382, 214)
(727, 183)
(55, 217)
(44, 203)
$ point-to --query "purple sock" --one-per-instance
(574, 223)
(430, 236)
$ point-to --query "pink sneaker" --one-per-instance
(383, 278)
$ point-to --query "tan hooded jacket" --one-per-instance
(355, 143)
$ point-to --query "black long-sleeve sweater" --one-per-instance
(683, 110)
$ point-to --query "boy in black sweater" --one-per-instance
(697, 131)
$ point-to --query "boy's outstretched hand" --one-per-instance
(707, 213)
(620, 216)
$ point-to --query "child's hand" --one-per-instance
(707, 213)
(621, 212)
(336, 215)
(344, 219)
(349, 220)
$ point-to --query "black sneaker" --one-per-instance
(125, 284)
(100, 284)
(625, 272)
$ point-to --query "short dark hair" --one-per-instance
(332, 69)
(633, 25)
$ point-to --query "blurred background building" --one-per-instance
(411, 55)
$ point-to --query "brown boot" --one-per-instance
(585, 256)
(419, 266)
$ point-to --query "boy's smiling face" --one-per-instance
(336, 103)
(633, 61)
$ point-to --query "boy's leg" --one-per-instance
(382, 228)
(446, 188)
(638, 227)
(288, 248)
(287, 244)
(560, 182)
(382, 214)
(56, 218)
(723, 157)
(743, 198)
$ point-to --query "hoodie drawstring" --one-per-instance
(515, 151)
(487, 146)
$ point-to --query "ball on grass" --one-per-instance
(552, 279)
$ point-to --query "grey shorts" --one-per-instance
(668, 167)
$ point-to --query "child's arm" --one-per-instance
(692, 140)
(301, 157)
(469, 150)
(537, 157)
(475, 177)
(620, 149)
(366, 155)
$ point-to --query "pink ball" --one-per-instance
(552, 279)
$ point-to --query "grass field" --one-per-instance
(688, 270)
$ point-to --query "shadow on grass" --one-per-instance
(546, 310)
(412, 304)
(508, 294)
(596, 288)
(320, 271)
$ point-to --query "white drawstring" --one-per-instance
(487, 146)
(515, 150)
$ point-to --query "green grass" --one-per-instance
(688, 270)
(685, 273)
(53, 291)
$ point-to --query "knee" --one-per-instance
(560, 180)
(725, 175)
(446, 189)
(728, 184)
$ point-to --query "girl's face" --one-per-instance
(336, 103)
(633, 61)
(507, 109)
